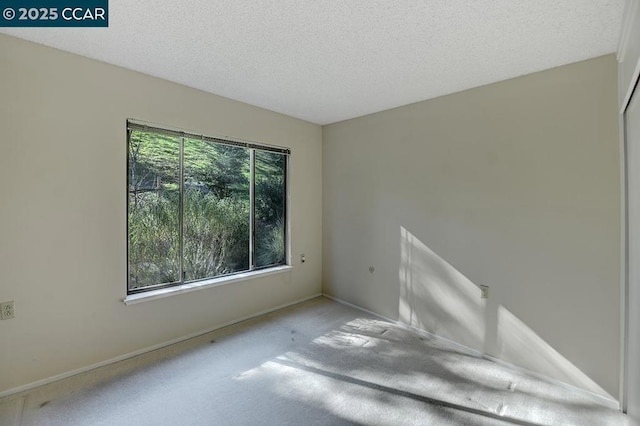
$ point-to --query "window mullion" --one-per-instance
(252, 208)
(181, 212)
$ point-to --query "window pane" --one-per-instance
(154, 247)
(216, 209)
(270, 196)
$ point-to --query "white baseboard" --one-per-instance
(138, 352)
(609, 401)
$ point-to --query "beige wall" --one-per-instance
(63, 210)
(514, 185)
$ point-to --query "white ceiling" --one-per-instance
(327, 61)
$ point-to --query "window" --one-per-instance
(201, 207)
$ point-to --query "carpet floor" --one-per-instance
(316, 363)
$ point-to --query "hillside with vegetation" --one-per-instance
(214, 209)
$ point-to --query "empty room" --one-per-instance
(414, 212)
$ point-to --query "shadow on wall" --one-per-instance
(437, 298)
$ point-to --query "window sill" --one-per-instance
(132, 299)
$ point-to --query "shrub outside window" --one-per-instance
(201, 207)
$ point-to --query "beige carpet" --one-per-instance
(317, 363)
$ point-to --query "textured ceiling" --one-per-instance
(327, 61)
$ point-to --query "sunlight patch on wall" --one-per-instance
(520, 345)
(436, 297)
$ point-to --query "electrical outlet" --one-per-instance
(484, 292)
(6, 310)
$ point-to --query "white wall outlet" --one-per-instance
(484, 292)
(6, 310)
